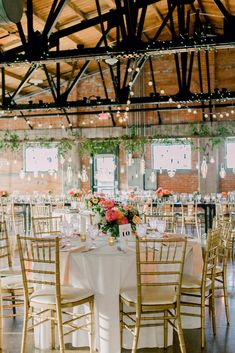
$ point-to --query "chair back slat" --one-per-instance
(46, 226)
(5, 253)
(159, 263)
(39, 258)
(211, 254)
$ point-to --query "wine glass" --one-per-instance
(92, 232)
(141, 229)
(161, 225)
(153, 225)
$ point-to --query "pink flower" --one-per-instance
(124, 220)
(107, 204)
(111, 215)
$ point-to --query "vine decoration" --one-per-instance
(131, 143)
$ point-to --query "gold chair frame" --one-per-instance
(156, 253)
(45, 252)
(205, 290)
(45, 226)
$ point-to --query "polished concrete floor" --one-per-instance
(223, 342)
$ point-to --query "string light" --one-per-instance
(15, 117)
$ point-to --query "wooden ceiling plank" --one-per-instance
(86, 17)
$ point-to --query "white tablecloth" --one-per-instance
(106, 270)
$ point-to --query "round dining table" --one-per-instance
(106, 269)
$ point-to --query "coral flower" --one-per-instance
(111, 215)
(107, 204)
(124, 220)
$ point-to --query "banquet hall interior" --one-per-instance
(117, 176)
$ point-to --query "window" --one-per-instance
(104, 173)
(41, 159)
(230, 153)
(176, 156)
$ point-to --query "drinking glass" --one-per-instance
(161, 225)
(92, 232)
(141, 229)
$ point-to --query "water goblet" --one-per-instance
(161, 225)
(141, 229)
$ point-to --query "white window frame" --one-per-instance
(40, 166)
(173, 162)
(230, 153)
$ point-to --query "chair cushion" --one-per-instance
(193, 282)
(151, 295)
(69, 294)
(12, 282)
(10, 271)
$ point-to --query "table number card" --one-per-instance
(125, 231)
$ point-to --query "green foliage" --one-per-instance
(64, 146)
(11, 141)
(98, 146)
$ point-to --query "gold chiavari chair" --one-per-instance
(11, 283)
(40, 210)
(190, 222)
(203, 287)
(40, 264)
(221, 268)
(159, 266)
(221, 212)
(46, 226)
(169, 219)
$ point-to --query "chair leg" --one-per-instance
(13, 301)
(52, 330)
(225, 289)
(60, 330)
(92, 348)
(25, 329)
(165, 329)
(121, 321)
(213, 309)
(180, 335)
(136, 334)
(203, 321)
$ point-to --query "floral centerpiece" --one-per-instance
(163, 193)
(4, 193)
(110, 214)
(75, 193)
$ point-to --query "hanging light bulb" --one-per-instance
(35, 174)
(62, 160)
(79, 175)
(136, 175)
(29, 178)
(152, 177)
(69, 174)
(129, 159)
(197, 166)
(142, 166)
(84, 177)
(22, 174)
(160, 170)
(222, 172)
(55, 175)
(204, 168)
(122, 170)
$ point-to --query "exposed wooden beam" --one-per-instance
(160, 16)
